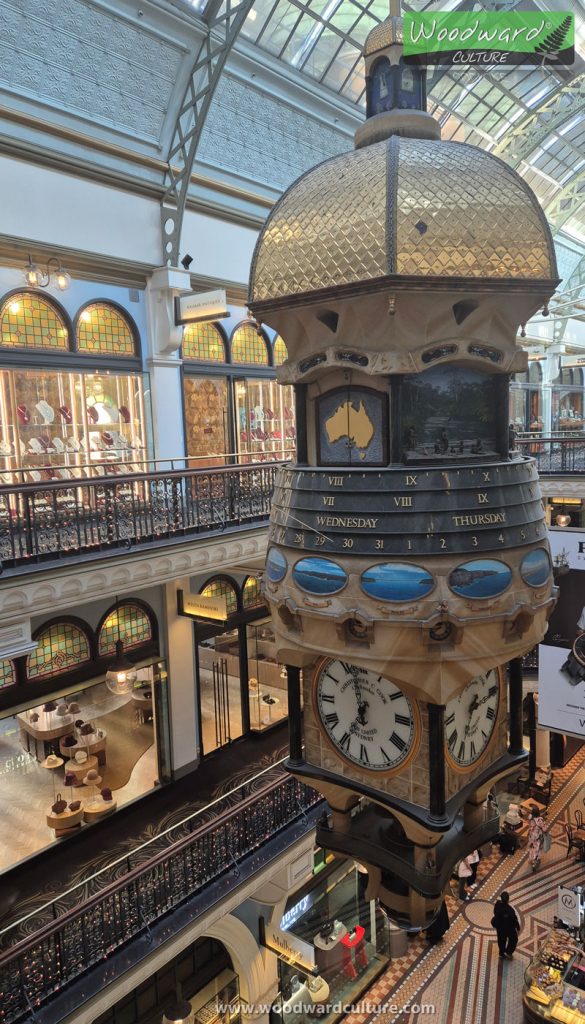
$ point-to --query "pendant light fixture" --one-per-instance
(121, 674)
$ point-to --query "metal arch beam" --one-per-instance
(223, 23)
(529, 133)
(566, 202)
(577, 278)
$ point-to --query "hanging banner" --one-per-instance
(197, 307)
(561, 656)
(570, 906)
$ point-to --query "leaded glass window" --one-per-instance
(280, 352)
(252, 593)
(60, 648)
(7, 673)
(248, 346)
(204, 343)
(29, 321)
(102, 330)
(221, 588)
(129, 623)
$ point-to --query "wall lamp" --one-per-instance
(36, 277)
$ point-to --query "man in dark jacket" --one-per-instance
(507, 925)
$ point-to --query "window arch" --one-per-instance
(103, 330)
(7, 673)
(222, 588)
(61, 647)
(28, 320)
(280, 351)
(252, 595)
(248, 346)
(203, 342)
(129, 622)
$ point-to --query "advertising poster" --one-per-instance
(561, 672)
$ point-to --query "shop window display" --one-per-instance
(526, 411)
(567, 400)
(203, 343)
(554, 981)
(29, 321)
(350, 944)
(102, 330)
(265, 418)
(249, 346)
(206, 419)
(129, 623)
(267, 680)
(119, 738)
(61, 647)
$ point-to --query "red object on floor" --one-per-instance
(361, 956)
(350, 942)
(347, 964)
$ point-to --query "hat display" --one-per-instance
(70, 779)
(74, 708)
(92, 778)
(81, 756)
(52, 761)
(62, 711)
(50, 706)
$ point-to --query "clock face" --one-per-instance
(470, 719)
(367, 718)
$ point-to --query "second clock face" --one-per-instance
(470, 719)
(369, 721)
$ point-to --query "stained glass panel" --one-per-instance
(102, 330)
(221, 588)
(61, 647)
(29, 321)
(248, 346)
(128, 623)
(252, 594)
(280, 352)
(204, 343)
(7, 673)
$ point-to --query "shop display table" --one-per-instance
(143, 700)
(81, 770)
(43, 732)
(96, 745)
(98, 808)
(329, 952)
(66, 822)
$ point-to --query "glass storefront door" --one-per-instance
(206, 420)
(265, 425)
(218, 670)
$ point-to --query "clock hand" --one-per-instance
(311, 528)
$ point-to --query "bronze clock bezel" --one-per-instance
(381, 773)
(464, 769)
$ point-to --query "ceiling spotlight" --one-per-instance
(54, 275)
(186, 261)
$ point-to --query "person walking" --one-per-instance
(464, 874)
(537, 829)
(473, 861)
(437, 929)
(507, 925)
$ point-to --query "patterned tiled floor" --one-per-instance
(462, 980)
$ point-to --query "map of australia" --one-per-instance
(350, 420)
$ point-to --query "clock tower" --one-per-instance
(408, 568)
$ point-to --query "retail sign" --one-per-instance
(561, 655)
(197, 307)
(505, 37)
(570, 905)
(288, 947)
(198, 606)
(573, 361)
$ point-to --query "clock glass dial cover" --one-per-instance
(470, 719)
(369, 721)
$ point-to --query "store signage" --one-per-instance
(570, 906)
(288, 947)
(561, 661)
(575, 361)
(489, 37)
(292, 915)
(197, 307)
(198, 606)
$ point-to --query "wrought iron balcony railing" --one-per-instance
(560, 454)
(55, 946)
(41, 523)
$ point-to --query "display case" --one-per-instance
(554, 981)
(267, 680)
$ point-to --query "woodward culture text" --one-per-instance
(321, 1009)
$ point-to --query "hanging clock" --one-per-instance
(470, 719)
(368, 721)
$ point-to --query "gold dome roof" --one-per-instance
(402, 208)
(383, 35)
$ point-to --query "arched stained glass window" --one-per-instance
(102, 330)
(29, 321)
(61, 647)
(280, 352)
(204, 343)
(248, 346)
(252, 595)
(7, 674)
(129, 623)
(221, 588)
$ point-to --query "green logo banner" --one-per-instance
(489, 37)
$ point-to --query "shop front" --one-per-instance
(331, 945)
(85, 414)
(526, 401)
(554, 981)
(233, 404)
(567, 400)
(72, 751)
(242, 688)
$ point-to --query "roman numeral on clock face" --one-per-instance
(332, 719)
(327, 698)
(345, 741)
(364, 754)
(398, 742)
(491, 714)
(402, 719)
